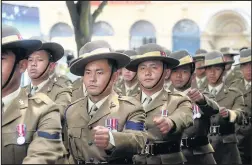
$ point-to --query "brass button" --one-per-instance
(90, 143)
(90, 127)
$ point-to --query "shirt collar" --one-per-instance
(218, 88)
(98, 104)
(202, 79)
(9, 98)
(41, 85)
(246, 82)
(144, 96)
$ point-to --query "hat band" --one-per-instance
(96, 51)
(11, 38)
(152, 54)
(245, 59)
(214, 61)
(185, 60)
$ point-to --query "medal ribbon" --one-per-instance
(21, 130)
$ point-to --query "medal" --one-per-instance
(196, 112)
(164, 113)
(21, 130)
(112, 124)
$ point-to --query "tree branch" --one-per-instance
(73, 13)
(98, 11)
(85, 18)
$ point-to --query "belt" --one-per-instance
(194, 142)
(161, 148)
(221, 130)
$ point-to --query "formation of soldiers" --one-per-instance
(143, 106)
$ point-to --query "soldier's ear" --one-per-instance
(22, 65)
(193, 75)
(168, 73)
(115, 76)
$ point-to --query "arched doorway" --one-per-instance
(102, 28)
(142, 32)
(186, 35)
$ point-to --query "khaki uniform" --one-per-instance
(180, 112)
(234, 75)
(121, 90)
(80, 130)
(244, 132)
(62, 79)
(222, 131)
(195, 144)
(202, 86)
(43, 131)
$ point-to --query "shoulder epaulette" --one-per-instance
(41, 97)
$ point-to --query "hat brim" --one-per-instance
(242, 63)
(77, 67)
(230, 54)
(221, 63)
(133, 65)
(55, 49)
(183, 64)
(198, 58)
(29, 45)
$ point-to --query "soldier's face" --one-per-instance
(213, 73)
(37, 63)
(149, 73)
(8, 59)
(96, 77)
(180, 76)
(127, 74)
(246, 71)
(228, 58)
(199, 72)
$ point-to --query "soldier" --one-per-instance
(222, 130)
(167, 81)
(195, 145)
(130, 85)
(244, 132)
(30, 125)
(103, 127)
(168, 114)
(231, 74)
(200, 80)
(40, 64)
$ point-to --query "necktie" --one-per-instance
(128, 92)
(93, 110)
(199, 83)
(34, 88)
(147, 101)
(214, 91)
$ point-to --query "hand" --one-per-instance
(196, 96)
(164, 124)
(224, 112)
(101, 136)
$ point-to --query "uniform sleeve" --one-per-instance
(133, 137)
(210, 108)
(63, 99)
(46, 146)
(183, 115)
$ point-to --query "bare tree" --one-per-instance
(83, 20)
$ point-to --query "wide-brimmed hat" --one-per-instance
(214, 58)
(183, 56)
(245, 56)
(12, 39)
(167, 51)
(199, 55)
(227, 51)
(131, 53)
(55, 49)
(150, 52)
(97, 50)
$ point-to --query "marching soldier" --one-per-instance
(40, 64)
(231, 74)
(200, 80)
(244, 132)
(167, 81)
(195, 145)
(130, 85)
(168, 114)
(102, 126)
(31, 128)
(222, 130)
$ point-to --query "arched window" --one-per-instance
(142, 32)
(186, 35)
(61, 30)
(102, 28)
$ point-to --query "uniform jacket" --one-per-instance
(121, 90)
(233, 76)
(43, 131)
(77, 91)
(195, 85)
(202, 123)
(179, 111)
(127, 141)
(62, 79)
(57, 92)
(232, 99)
